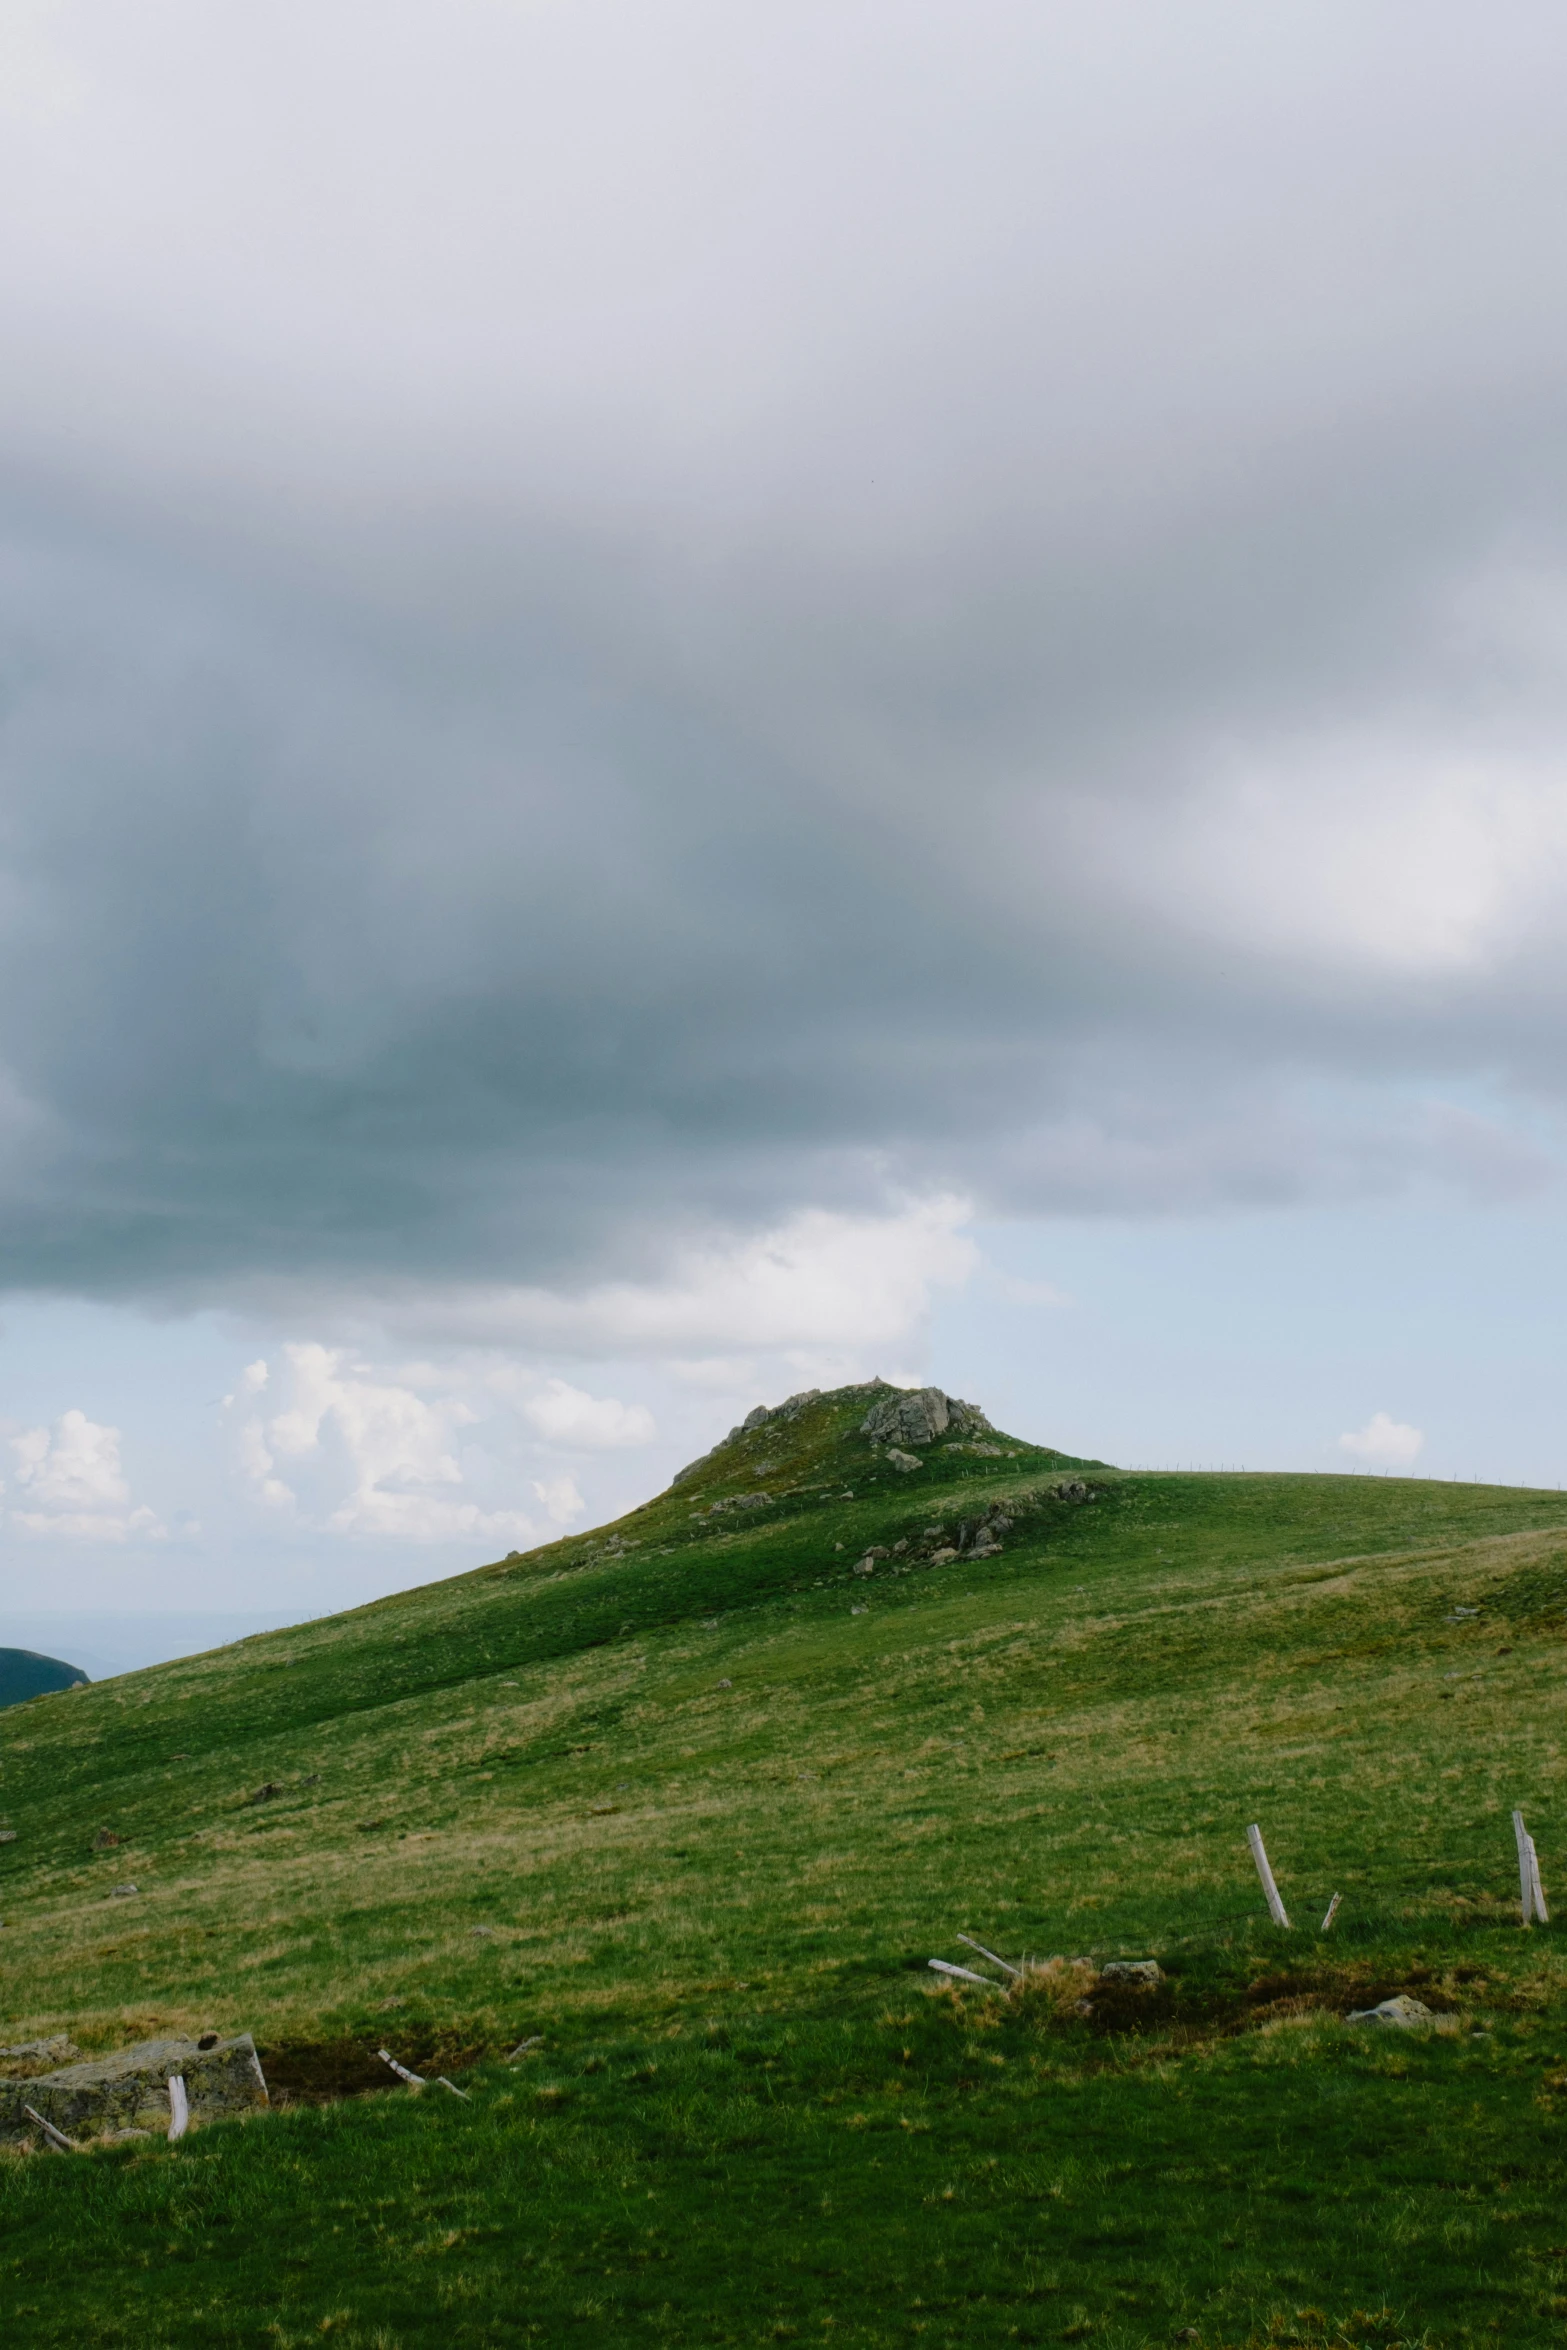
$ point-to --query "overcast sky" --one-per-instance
(698, 698)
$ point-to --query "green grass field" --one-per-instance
(696, 1802)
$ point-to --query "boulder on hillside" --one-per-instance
(918, 1416)
(1401, 2012)
(130, 2090)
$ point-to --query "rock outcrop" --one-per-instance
(919, 1415)
(130, 2090)
(789, 1409)
(31, 2057)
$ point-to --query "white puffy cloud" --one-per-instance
(569, 1416)
(258, 1464)
(561, 1499)
(380, 1458)
(1384, 1443)
(71, 1482)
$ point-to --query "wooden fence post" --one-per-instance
(57, 2138)
(1540, 1910)
(1525, 1873)
(179, 2107)
(414, 2080)
(961, 1974)
(990, 1954)
(1276, 1908)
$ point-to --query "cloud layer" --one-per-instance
(625, 628)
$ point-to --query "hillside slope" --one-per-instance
(604, 1746)
(25, 1674)
(743, 1762)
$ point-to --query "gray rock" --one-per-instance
(8, 1835)
(790, 1409)
(35, 2056)
(1131, 1970)
(1404, 2013)
(130, 2090)
(123, 1892)
(902, 1461)
(919, 1416)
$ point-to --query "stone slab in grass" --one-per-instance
(130, 2089)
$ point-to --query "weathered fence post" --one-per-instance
(1531, 1896)
(1004, 1963)
(414, 2080)
(57, 2138)
(1276, 1908)
(1525, 1880)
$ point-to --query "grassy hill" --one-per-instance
(695, 1799)
(25, 1674)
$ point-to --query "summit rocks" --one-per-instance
(919, 1416)
(788, 1410)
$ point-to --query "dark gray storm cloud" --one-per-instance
(618, 621)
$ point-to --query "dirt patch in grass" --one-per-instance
(1069, 1997)
(321, 2072)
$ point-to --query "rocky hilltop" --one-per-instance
(897, 1416)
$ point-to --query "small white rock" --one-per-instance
(1404, 2013)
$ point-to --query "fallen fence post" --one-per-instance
(964, 1974)
(444, 2083)
(56, 2138)
(1332, 1911)
(990, 1954)
(523, 2046)
(179, 2107)
(1276, 1908)
(414, 2080)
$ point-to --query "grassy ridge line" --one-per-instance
(636, 1833)
(566, 1598)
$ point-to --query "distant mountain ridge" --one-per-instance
(25, 1674)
